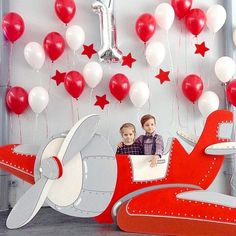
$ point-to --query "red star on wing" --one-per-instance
(201, 49)
(128, 60)
(163, 76)
(89, 51)
(101, 101)
(59, 77)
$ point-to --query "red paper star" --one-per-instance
(101, 101)
(163, 76)
(201, 49)
(59, 77)
(128, 60)
(89, 51)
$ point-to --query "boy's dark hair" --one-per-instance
(146, 118)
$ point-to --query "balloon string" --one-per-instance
(10, 65)
(170, 55)
(50, 76)
(77, 109)
(108, 122)
(35, 128)
(211, 59)
(186, 52)
(90, 97)
(72, 111)
(46, 121)
(148, 84)
(194, 120)
(19, 121)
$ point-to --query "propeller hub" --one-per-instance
(51, 168)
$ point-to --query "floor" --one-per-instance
(49, 222)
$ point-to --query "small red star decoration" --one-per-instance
(59, 77)
(101, 101)
(163, 76)
(128, 60)
(89, 50)
(201, 49)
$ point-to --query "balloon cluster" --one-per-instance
(120, 87)
(192, 87)
(18, 100)
(224, 70)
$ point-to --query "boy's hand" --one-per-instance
(120, 144)
(154, 161)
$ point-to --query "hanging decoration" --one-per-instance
(163, 76)
(225, 69)
(145, 27)
(59, 77)
(192, 87)
(231, 92)
(139, 93)
(101, 101)
(181, 7)
(119, 86)
(13, 26)
(207, 103)
(216, 16)
(88, 50)
(128, 60)
(65, 10)
(109, 51)
(54, 45)
(195, 21)
(74, 84)
(165, 16)
(34, 55)
(17, 100)
(75, 37)
(93, 74)
(155, 53)
(201, 49)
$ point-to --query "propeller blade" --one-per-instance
(29, 204)
(78, 137)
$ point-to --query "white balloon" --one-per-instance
(234, 37)
(155, 53)
(216, 16)
(224, 69)
(75, 37)
(38, 99)
(164, 15)
(139, 93)
(207, 103)
(92, 73)
(34, 55)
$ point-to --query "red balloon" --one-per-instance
(195, 21)
(54, 45)
(192, 87)
(231, 92)
(145, 26)
(181, 7)
(17, 100)
(65, 10)
(74, 83)
(13, 26)
(119, 86)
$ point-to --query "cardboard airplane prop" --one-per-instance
(78, 174)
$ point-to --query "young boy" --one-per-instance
(129, 146)
(151, 142)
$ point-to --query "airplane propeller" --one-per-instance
(52, 169)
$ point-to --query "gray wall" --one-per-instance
(40, 19)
